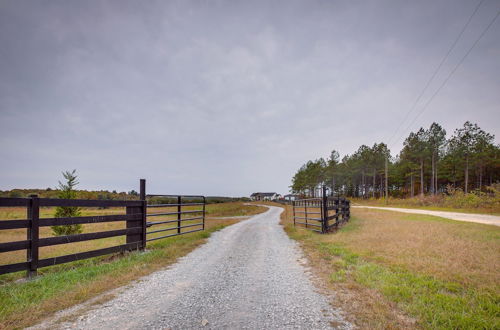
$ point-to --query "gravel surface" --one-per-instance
(247, 276)
(469, 217)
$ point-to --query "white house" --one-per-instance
(264, 196)
(291, 197)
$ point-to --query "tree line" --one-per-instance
(81, 194)
(428, 163)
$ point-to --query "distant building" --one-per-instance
(261, 196)
(291, 197)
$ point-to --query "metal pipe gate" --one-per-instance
(318, 213)
(175, 213)
(172, 213)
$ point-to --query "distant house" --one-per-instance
(261, 196)
(291, 197)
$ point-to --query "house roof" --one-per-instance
(263, 194)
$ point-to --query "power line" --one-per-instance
(436, 70)
(451, 73)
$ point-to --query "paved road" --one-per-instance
(247, 276)
(469, 217)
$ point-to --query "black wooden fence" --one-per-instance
(322, 214)
(136, 214)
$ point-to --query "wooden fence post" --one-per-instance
(348, 209)
(324, 211)
(305, 211)
(179, 209)
(33, 236)
(136, 237)
(204, 211)
(142, 196)
(337, 211)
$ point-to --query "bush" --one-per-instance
(15, 194)
(456, 198)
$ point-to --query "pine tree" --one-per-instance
(67, 191)
(436, 139)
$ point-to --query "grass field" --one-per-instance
(26, 302)
(392, 270)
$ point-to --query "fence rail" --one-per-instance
(316, 213)
(135, 218)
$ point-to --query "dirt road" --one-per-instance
(247, 276)
(469, 217)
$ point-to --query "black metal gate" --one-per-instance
(174, 215)
(321, 214)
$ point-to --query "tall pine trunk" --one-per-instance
(363, 185)
(422, 176)
(466, 174)
(436, 177)
(386, 177)
(433, 187)
(374, 183)
(480, 177)
(412, 188)
(381, 189)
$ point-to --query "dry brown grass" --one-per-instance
(462, 252)
(51, 251)
(450, 250)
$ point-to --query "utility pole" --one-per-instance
(386, 180)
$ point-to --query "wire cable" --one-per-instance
(450, 74)
(434, 74)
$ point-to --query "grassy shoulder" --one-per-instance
(24, 303)
(394, 270)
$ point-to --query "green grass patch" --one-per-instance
(437, 304)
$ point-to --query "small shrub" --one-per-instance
(15, 194)
(456, 198)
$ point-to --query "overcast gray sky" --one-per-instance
(227, 97)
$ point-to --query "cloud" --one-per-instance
(224, 98)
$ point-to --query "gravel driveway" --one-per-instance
(247, 276)
(469, 217)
